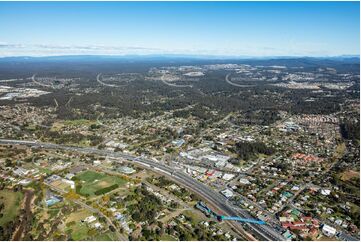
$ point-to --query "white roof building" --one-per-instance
(97, 225)
(228, 177)
(244, 181)
(325, 192)
(227, 193)
(295, 188)
(70, 182)
(328, 230)
(90, 219)
(115, 144)
(21, 171)
(69, 176)
(25, 182)
(217, 158)
(220, 164)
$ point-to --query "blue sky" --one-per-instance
(210, 28)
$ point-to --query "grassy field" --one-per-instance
(339, 151)
(79, 231)
(75, 123)
(105, 237)
(12, 201)
(45, 170)
(92, 182)
(196, 216)
(89, 176)
(324, 238)
(167, 237)
(78, 215)
(79, 122)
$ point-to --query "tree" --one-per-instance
(136, 216)
(71, 195)
(106, 198)
(8, 163)
(146, 233)
(247, 150)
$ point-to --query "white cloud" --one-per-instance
(50, 50)
(8, 49)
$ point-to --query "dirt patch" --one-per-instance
(103, 184)
(348, 175)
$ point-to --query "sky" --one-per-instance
(189, 28)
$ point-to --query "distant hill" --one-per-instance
(90, 64)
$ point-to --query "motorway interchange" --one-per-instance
(247, 231)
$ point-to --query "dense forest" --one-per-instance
(248, 150)
(350, 130)
(259, 104)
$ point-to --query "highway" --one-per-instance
(261, 232)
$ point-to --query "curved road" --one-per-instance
(41, 84)
(235, 84)
(261, 232)
(106, 84)
(172, 84)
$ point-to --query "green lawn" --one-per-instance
(12, 201)
(92, 181)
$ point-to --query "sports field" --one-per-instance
(92, 183)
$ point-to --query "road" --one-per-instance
(261, 232)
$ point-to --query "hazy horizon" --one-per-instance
(190, 56)
(232, 29)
